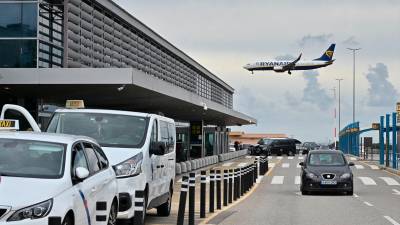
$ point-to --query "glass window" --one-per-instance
(30, 158)
(18, 19)
(326, 159)
(110, 130)
(101, 156)
(164, 131)
(78, 158)
(154, 135)
(20, 53)
(94, 164)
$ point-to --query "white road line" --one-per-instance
(277, 180)
(390, 181)
(374, 167)
(353, 159)
(367, 180)
(298, 166)
(301, 157)
(290, 157)
(285, 165)
(269, 157)
(396, 192)
(297, 180)
(392, 221)
(227, 164)
(355, 196)
(279, 157)
(368, 204)
(359, 167)
(259, 179)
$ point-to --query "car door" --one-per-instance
(84, 204)
(156, 170)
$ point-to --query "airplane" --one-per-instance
(280, 66)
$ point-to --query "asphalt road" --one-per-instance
(278, 201)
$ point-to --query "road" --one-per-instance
(278, 201)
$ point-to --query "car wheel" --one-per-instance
(165, 209)
(68, 220)
(112, 217)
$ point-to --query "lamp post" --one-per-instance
(339, 80)
(354, 81)
(334, 116)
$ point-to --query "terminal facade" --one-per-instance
(98, 52)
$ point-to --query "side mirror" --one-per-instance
(351, 164)
(81, 173)
(301, 163)
(158, 148)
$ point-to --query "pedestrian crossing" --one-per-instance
(367, 181)
(296, 164)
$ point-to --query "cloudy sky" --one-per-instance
(224, 35)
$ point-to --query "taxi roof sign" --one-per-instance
(9, 125)
(75, 104)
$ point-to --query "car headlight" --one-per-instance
(345, 176)
(129, 167)
(37, 211)
(311, 175)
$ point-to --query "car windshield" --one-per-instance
(326, 159)
(34, 159)
(110, 130)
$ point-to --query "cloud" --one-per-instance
(285, 57)
(322, 39)
(381, 92)
(351, 41)
(314, 93)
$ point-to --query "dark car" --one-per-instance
(267, 146)
(326, 170)
(308, 146)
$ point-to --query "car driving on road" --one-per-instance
(326, 170)
(278, 146)
(52, 175)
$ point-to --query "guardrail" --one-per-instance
(195, 164)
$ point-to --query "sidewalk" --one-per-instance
(376, 163)
(152, 217)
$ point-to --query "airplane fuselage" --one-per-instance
(277, 66)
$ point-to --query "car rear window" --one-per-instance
(326, 159)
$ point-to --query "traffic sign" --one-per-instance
(375, 126)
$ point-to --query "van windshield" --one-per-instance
(33, 159)
(110, 130)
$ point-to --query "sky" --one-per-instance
(224, 35)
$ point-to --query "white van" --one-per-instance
(140, 146)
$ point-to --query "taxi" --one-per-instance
(326, 170)
(54, 179)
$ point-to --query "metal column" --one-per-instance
(394, 139)
(381, 141)
(387, 139)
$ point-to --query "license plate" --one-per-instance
(328, 182)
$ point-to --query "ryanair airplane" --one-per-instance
(283, 66)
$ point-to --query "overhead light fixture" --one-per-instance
(204, 106)
(121, 88)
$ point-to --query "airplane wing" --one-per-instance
(292, 64)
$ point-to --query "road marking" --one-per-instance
(396, 192)
(297, 180)
(368, 204)
(242, 164)
(270, 165)
(390, 181)
(359, 167)
(269, 157)
(285, 165)
(259, 179)
(392, 221)
(277, 180)
(367, 180)
(290, 157)
(301, 157)
(298, 193)
(355, 196)
(279, 157)
(298, 165)
(374, 167)
(227, 164)
(353, 159)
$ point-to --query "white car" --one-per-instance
(140, 146)
(46, 177)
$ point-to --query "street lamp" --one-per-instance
(334, 116)
(339, 80)
(354, 81)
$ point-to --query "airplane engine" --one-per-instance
(278, 69)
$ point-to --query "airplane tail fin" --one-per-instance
(328, 54)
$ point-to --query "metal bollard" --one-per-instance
(230, 189)
(182, 200)
(255, 172)
(225, 187)
(192, 197)
(241, 181)
(236, 184)
(219, 206)
(212, 188)
(203, 194)
(139, 201)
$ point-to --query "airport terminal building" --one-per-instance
(54, 50)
